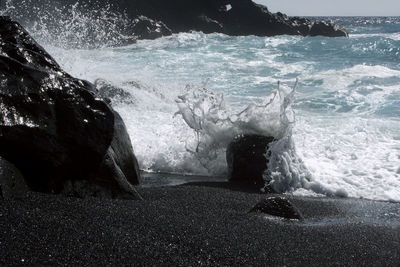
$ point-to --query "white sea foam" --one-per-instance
(393, 36)
(345, 140)
(358, 159)
(343, 78)
(358, 156)
(215, 125)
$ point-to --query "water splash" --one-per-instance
(356, 89)
(215, 126)
(73, 26)
(214, 123)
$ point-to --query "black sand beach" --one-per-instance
(61, 135)
(201, 223)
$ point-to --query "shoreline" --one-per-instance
(164, 179)
(181, 220)
(200, 223)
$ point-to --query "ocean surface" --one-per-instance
(338, 126)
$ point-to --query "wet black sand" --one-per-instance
(197, 224)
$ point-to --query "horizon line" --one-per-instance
(340, 15)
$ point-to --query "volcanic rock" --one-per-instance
(53, 127)
(232, 17)
(326, 29)
(112, 93)
(278, 206)
(145, 28)
(246, 159)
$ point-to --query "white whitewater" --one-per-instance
(338, 133)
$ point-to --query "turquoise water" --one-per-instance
(339, 131)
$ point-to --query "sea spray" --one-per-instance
(73, 26)
(286, 171)
(347, 126)
(215, 124)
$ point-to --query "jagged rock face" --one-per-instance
(246, 159)
(326, 29)
(17, 45)
(248, 18)
(49, 121)
(243, 17)
(53, 127)
(302, 25)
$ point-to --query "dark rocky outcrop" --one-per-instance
(83, 24)
(243, 17)
(53, 127)
(278, 206)
(113, 93)
(248, 18)
(246, 159)
(326, 29)
(145, 28)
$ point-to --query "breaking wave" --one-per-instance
(344, 140)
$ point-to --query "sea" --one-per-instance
(332, 104)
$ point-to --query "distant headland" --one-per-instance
(151, 19)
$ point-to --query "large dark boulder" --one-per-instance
(247, 160)
(53, 127)
(243, 17)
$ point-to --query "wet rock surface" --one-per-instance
(120, 161)
(278, 206)
(246, 159)
(145, 28)
(53, 127)
(326, 29)
(113, 93)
